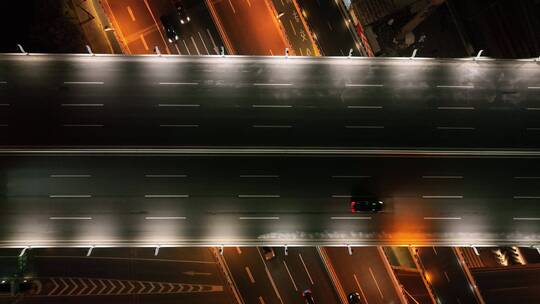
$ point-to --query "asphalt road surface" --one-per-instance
(248, 27)
(517, 284)
(126, 275)
(297, 200)
(446, 276)
(330, 26)
(281, 279)
(261, 102)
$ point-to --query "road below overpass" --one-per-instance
(150, 101)
(139, 199)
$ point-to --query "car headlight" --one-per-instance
(182, 21)
(176, 37)
(188, 19)
(170, 40)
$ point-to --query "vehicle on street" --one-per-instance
(181, 12)
(170, 31)
(359, 204)
(354, 298)
(308, 296)
(268, 253)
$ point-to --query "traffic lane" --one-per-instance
(413, 284)
(250, 26)
(8, 261)
(122, 266)
(200, 35)
(139, 26)
(459, 109)
(331, 28)
(504, 285)
(363, 272)
(189, 265)
(445, 275)
(298, 271)
(266, 203)
(292, 24)
(251, 275)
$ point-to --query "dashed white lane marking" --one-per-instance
(366, 107)
(204, 44)
(70, 196)
(526, 177)
(143, 40)
(261, 300)
(360, 287)
(195, 44)
(306, 269)
(455, 86)
(262, 218)
(442, 177)
(250, 276)
(259, 196)
(376, 283)
(441, 218)
(165, 175)
(185, 45)
(85, 82)
(271, 106)
(455, 108)
(272, 84)
(533, 88)
(351, 176)
(341, 195)
(526, 218)
(178, 83)
(166, 195)
(442, 196)
(70, 218)
(179, 126)
(447, 277)
(82, 105)
(83, 125)
(364, 85)
(169, 218)
(456, 128)
(131, 13)
(178, 105)
(232, 7)
(350, 217)
(70, 175)
(364, 127)
(259, 176)
(290, 275)
(532, 109)
(526, 197)
(272, 126)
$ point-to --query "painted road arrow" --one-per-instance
(72, 286)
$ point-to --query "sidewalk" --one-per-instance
(93, 21)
